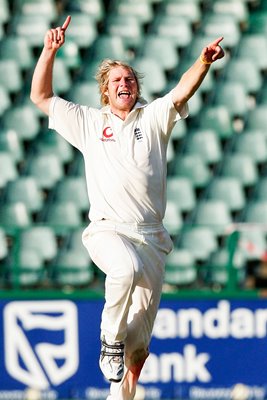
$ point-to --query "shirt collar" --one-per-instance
(141, 103)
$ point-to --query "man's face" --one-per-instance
(122, 89)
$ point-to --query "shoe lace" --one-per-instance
(114, 351)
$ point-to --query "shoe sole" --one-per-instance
(115, 380)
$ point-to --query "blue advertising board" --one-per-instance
(200, 349)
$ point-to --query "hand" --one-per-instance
(55, 38)
(212, 52)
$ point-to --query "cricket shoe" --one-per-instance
(111, 360)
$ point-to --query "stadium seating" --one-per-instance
(10, 76)
(85, 93)
(254, 47)
(5, 100)
(258, 21)
(17, 49)
(233, 96)
(61, 77)
(200, 241)
(193, 167)
(181, 191)
(257, 118)
(218, 118)
(256, 212)
(31, 28)
(174, 28)
(128, 27)
(70, 55)
(50, 143)
(216, 272)
(72, 189)
(228, 190)
(94, 8)
(217, 25)
(173, 218)
(73, 268)
(216, 156)
(82, 30)
(252, 243)
(153, 45)
(237, 9)
(63, 216)
(4, 11)
(107, 46)
(15, 215)
(8, 169)
(215, 215)
(23, 120)
(40, 239)
(10, 143)
(74, 241)
(242, 167)
(180, 268)
(244, 71)
(261, 189)
(31, 270)
(25, 190)
(154, 79)
(3, 244)
(189, 10)
(206, 144)
(139, 9)
(253, 143)
(45, 8)
(46, 169)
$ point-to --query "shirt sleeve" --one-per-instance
(68, 119)
(164, 114)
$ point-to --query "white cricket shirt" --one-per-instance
(125, 161)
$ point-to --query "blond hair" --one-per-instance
(102, 77)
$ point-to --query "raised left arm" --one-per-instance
(193, 77)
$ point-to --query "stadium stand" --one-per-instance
(8, 169)
(15, 215)
(218, 118)
(5, 100)
(229, 190)
(72, 267)
(217, 157)
(24, 190)
(10, 76)
(41, 239)
(193, 167)
(180, 269)
(200, 241)
(206, 144)
(214, 214)
(181, 190)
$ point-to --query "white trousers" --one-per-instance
(133, 258)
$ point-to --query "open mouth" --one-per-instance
(124, 94)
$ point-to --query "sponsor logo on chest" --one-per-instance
(107, 135)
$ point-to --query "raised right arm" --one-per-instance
(42, 88)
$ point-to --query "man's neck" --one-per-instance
(122, 114)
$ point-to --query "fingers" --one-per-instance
(66, 23)
(205, 51)
(55, 37)
(217, 41)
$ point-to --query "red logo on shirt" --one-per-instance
(107, 135)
